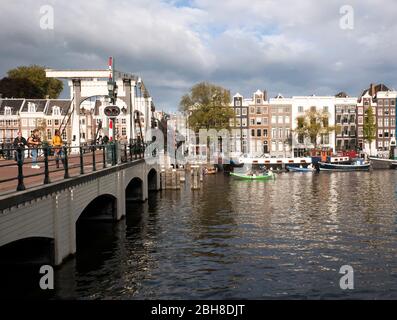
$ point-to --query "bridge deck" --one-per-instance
(11, 171)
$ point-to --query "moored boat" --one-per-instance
(252, 177)
(299, 169)
(358, 165)
(379, 163)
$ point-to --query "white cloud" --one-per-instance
(294, 47)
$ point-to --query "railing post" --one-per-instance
(93, 159)
(104, 157)
(46, 170)
(66, 163)
(114, 160)
(125, 153)
(21, 185)
(81, 161)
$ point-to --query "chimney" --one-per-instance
(372, 90)
(264, 95)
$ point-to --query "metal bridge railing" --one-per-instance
(17, 172)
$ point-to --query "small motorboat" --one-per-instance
(265, 176)
(358, 165)
(300, 169)
(379, 163)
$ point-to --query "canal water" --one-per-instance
(282, 239)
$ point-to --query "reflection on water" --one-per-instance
(286, 238)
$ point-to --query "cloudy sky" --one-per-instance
(287, 46)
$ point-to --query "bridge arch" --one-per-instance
(103, 207)
(134, 191)
(153, 180)
(28, 250)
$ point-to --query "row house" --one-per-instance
(300, 105)
(9, 119)
(239, 125)
(281, 126)
(382, 100)
(259, 124)
(345, 122)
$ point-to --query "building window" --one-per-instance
(287, 120)
(238, 122)
(360, 110)
(124, 131)
(300, 109)
(280, 146)
(253, 133)
(274, 146)
(274, 119)
(274, 133)
(64, 135)
(7, 111)
(238, 111)
(237, 103)
(252, 110)
(392, 122)
(280, 133)
(380, 111)
(56, 122)
(360, 120)
(380, 144)
(31, 107)
(386, 122)
(252, 121)
(380, 133)
(244, 122)
(265, 133)
(244, 111)
(259, 133)
(386, 103)
(386, 133)
(49, 122)
(258, 121)
(15, 123)
(231, 122)
(380, 103)
(265, 121)
(326, 109)
(49, 135)
(258, 100)
(258, 110)
(380, 122)
(123, 121)
(32, 122)
(56, 111)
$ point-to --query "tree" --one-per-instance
(314, 125)
(37, 76)
(19, 88)
(208, 107)
(369, 129)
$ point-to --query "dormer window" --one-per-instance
(237, 103)
(56, 111)
(31, 107)
(7, 111)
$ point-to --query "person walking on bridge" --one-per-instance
(57, 145)
(34, 142)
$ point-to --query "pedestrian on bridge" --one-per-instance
(20, 143)
(34, 142)
(57, 145)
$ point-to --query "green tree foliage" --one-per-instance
(19, 88)
(369, 129)
(32, 75)
(313, 125)
(208, 107)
